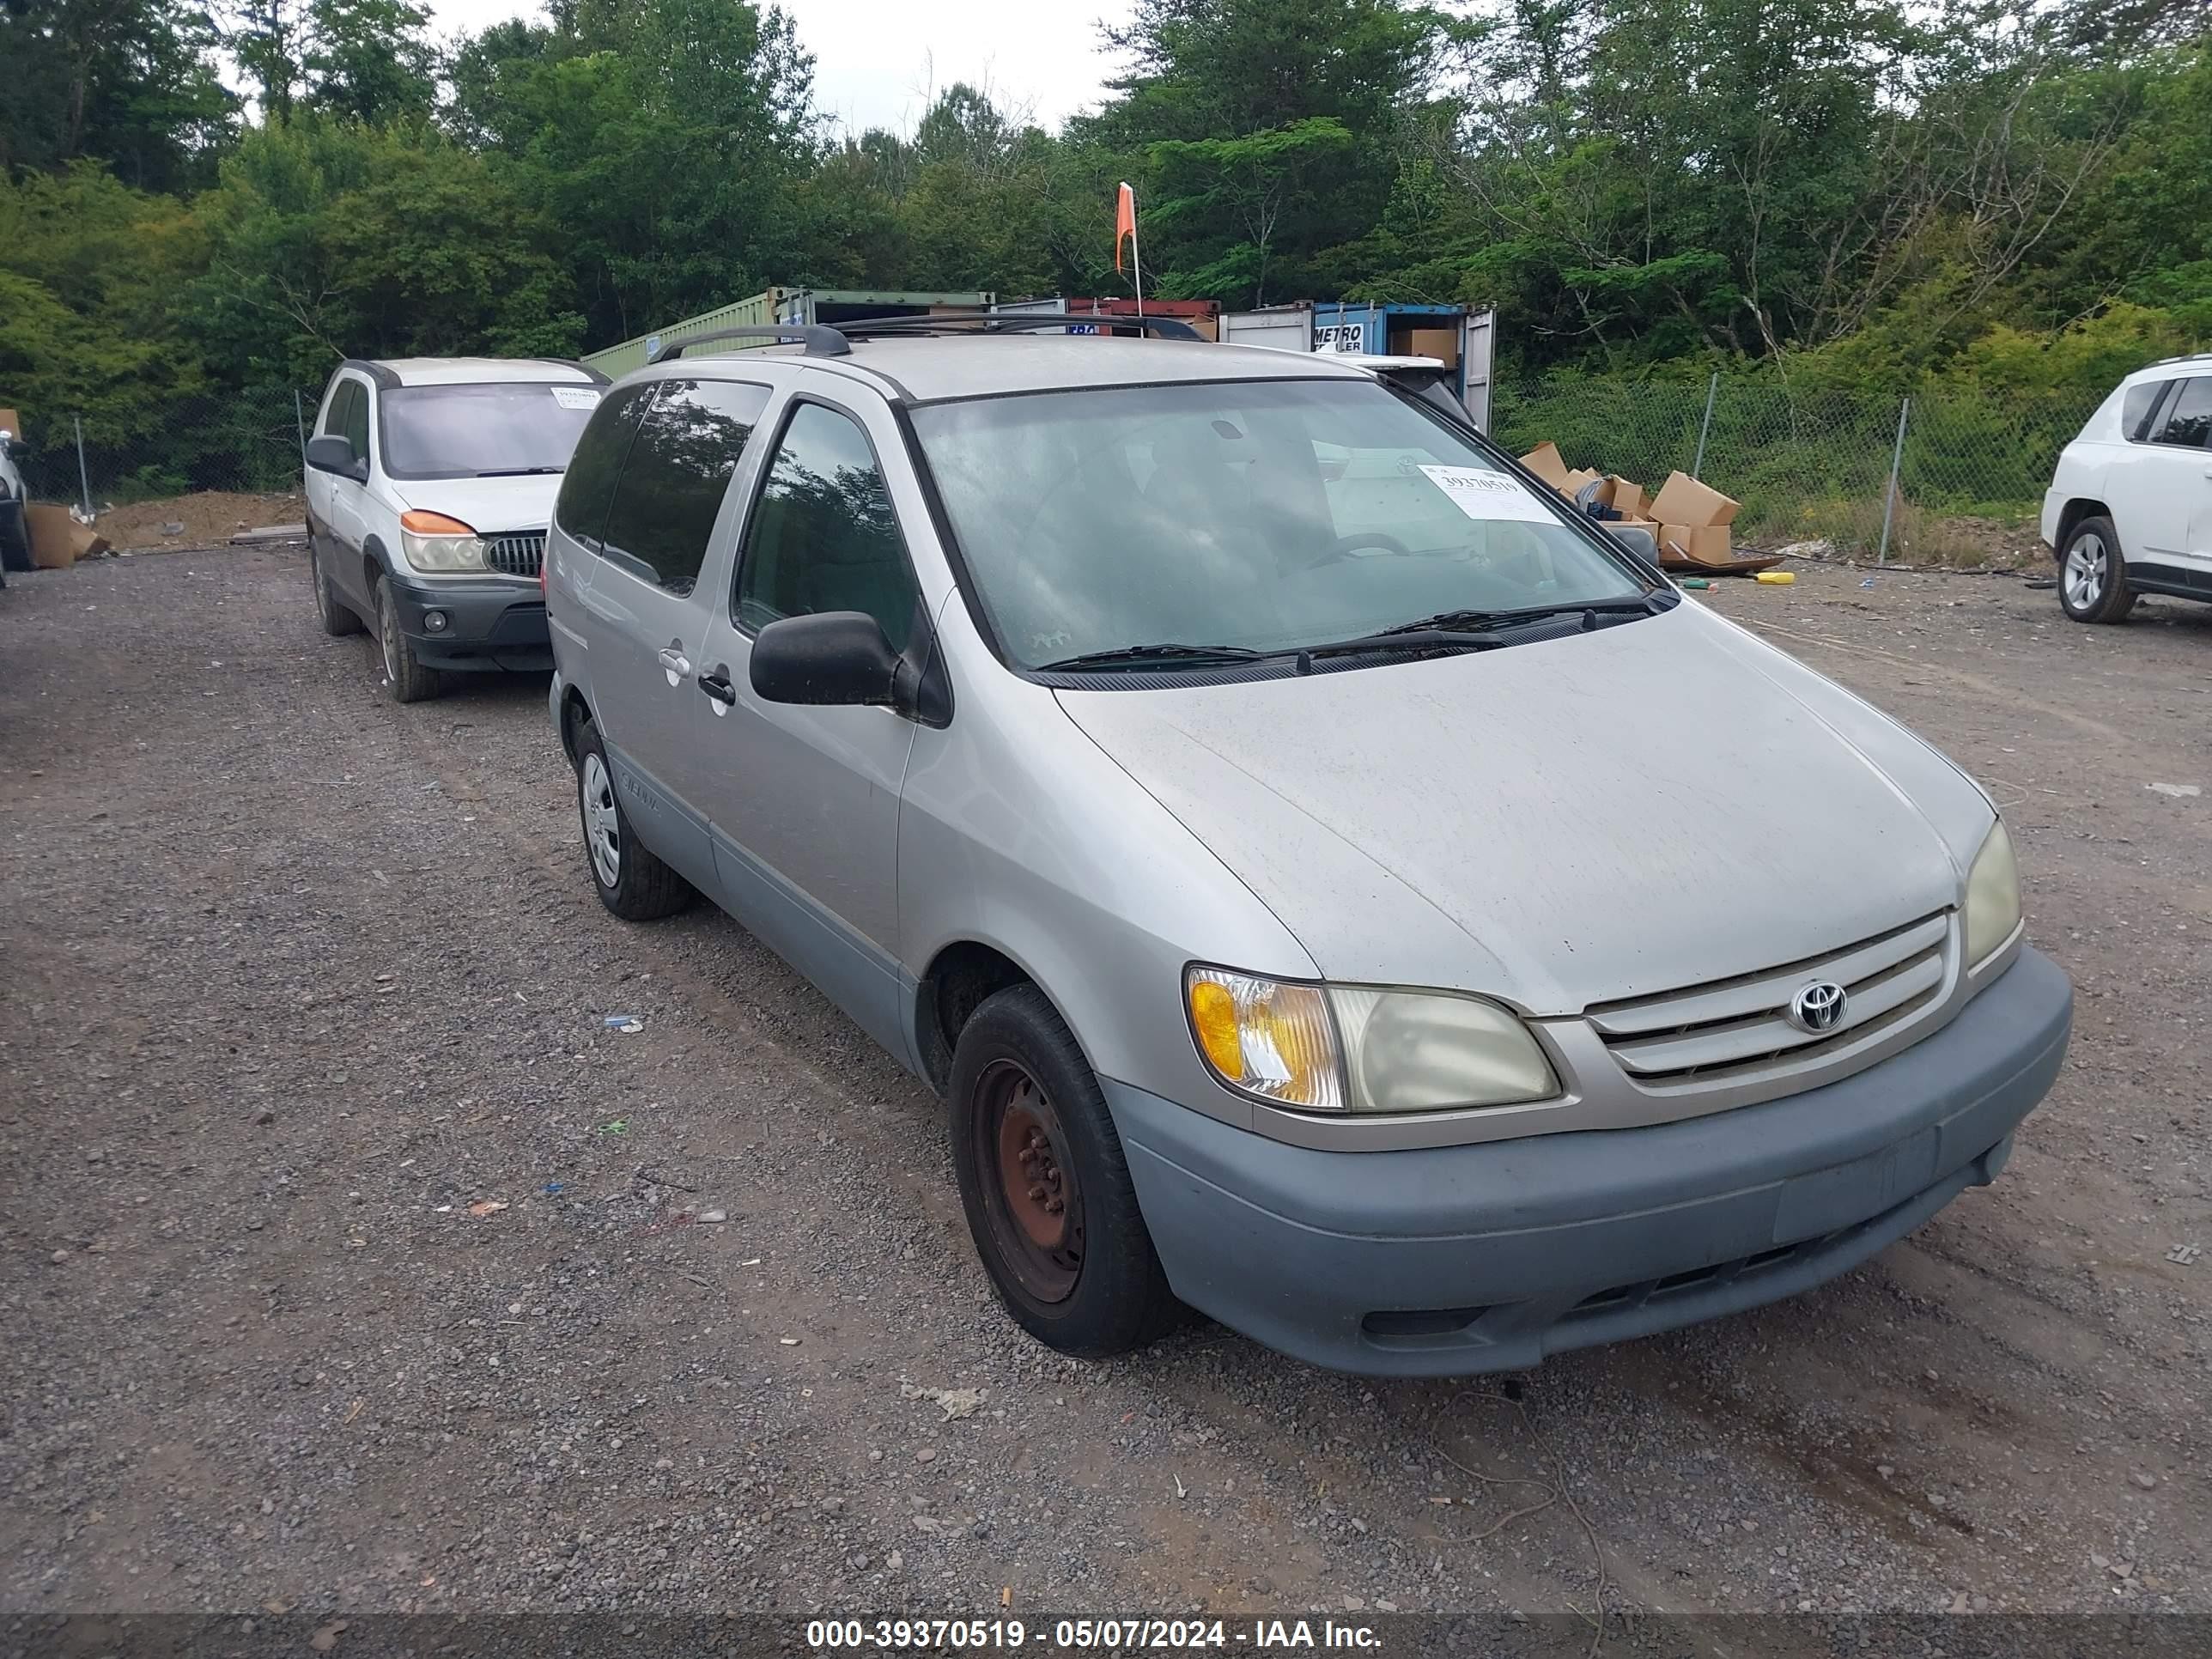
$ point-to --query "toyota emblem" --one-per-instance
(1819, 1006)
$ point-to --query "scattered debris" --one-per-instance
(327, 1637)
(175, 527)
(553, 1189)
(714, 1217)
(623, 1022)
(2040, 583)
(788, 1341)
(2179, 791)
(755, 1262)
(2148, 1482)
(1697, 582)
(619, 1126)
(1775, 578)
(1819, 548)
(954, 1402)
(2184, 1255)
(487, 1206)
(1868, 582)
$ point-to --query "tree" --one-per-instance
(130, 82)
(370, 59)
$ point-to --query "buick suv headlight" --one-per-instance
(1992, 896)
(1357, 1048)
(438, 545)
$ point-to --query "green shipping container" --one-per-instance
(781, 305)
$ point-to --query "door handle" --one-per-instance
(673, 660)
(716, 683)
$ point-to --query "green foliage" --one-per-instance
(2000, 206)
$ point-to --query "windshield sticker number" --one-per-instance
(1487, 496)
(575, 397)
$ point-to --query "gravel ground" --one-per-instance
(298, 981)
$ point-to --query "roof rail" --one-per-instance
(819, 340)
(1005, 322)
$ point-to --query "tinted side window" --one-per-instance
(2135, 406)
(824, 536)
(357, 420)
(589, 484)
(334, 417)
(2189, 417)
(688, 444)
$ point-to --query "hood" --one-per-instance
(490, 507)
(1611, 814)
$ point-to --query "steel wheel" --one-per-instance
(2088, 568)
(1034, 1206)
(602, 824)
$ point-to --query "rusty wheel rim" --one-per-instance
(1031, 1195)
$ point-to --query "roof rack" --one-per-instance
(825, 340)
(820, 340)
(1012, 322)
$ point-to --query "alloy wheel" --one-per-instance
(2088, 567)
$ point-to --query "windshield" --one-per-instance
(1264, 514)
(470, 431)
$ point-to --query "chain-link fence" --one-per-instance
(247, 442)
(1812, 465)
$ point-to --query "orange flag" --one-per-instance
(1125, 223)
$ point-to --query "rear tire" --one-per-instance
(2093, 574)
(1046, 1186)
(332, 612)
(630, 880)
(410, 681)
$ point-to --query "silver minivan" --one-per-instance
(1332, 886)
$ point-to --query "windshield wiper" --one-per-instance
(1641, 606)
(520, 472)
(1133, 655)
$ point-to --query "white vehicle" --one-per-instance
(430, 482)
(2129, 510)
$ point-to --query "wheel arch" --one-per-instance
(959, 979)
(2070, 517)
(575, 712)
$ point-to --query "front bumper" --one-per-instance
(495, 623)
(1464, 1259)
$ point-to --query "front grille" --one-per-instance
(518, 555)
(1733, 1029)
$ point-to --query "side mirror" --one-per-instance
(331, 453)
(831, 658)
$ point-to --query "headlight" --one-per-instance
(1349, 1049)
(1992, 896)
(433, 542)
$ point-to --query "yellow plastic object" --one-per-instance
(1213, 1015)
(1777, 578)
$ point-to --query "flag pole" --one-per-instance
(1136, 256)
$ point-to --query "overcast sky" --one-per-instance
(875, 61)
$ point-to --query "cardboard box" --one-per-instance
(1626, 497)
(85, 542)
(10, 422)
(1707, 544)
(52, 546)
(1682, 499)
(1546, 462)
(1442, 344)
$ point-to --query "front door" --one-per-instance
(648, 609)
(341, 505)
(805, 800)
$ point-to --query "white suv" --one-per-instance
(430, 482)
(2129, 510)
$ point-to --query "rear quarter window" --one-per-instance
(588, 486)
(689, 441)
(2135, 406)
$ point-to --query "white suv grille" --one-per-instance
(516, 554)
(1733, 1030)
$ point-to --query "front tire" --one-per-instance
(630, 880)
(2093, 574)
(410, 681)
(15, 537)
(336, 616)
(1046, 1186)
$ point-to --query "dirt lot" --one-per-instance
(209, 518)
(296, 979)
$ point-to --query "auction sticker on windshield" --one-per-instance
(576, 397)
(1487, 495)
